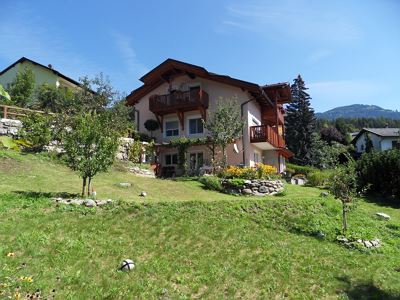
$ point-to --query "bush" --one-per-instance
(37, 131)
(236, 183)
(319, 178)
(380, 171)
(300, 169)
(211, 183)
(261, 171)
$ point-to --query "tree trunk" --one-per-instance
(223, 157)
(344, 217)
(88, 187)
(83, 186)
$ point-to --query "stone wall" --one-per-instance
(10, 127)
(257, 187)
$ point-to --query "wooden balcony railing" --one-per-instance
(8, 111)
(178, 101)
(265, 133)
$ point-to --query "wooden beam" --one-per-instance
(181, 117)
(160, 120)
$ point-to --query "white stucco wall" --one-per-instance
(379, 143)
(215, 92)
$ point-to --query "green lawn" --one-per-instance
(186, 242)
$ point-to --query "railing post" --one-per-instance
(5, 112)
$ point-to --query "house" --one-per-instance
(179, 95)
(43, 74)
(381, 139)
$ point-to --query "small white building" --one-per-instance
(381, 139)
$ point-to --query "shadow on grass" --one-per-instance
(33, 194)
(383, 201)
(366, 291)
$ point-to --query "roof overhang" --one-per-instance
(171, 68)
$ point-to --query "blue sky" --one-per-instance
(347, 51)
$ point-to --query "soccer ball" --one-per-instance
(127, 265)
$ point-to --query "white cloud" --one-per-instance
(128, 54)
(293, 19)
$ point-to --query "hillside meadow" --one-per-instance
(186, 242)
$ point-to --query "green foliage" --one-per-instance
(53, 99)
(211, 183)
(90, 145)
(300, 169)
(4, 96)
(9, 143)
(122, 117)
(37, 131)
(151, 125)
(135, 151)
(300, 123)
(224, 125)
(182, 145)
(324, 155)
(343, 186)
(22, 88)
(380, 171)
(319, 178)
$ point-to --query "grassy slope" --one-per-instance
(235, 247)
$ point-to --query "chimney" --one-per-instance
(50, 66)
(387, 125)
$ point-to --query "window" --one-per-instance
(195, 126)
(171, 159)
(256, 157)
(196, 160)
(171, 128)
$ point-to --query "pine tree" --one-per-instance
(300, 123)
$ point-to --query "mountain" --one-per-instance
(359, 111)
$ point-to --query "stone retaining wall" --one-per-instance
(257, 187)
(10, 127)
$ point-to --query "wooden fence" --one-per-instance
(8, 112)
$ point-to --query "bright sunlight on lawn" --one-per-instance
(186, 242)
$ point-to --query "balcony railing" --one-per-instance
(265, 133)
(179, 101)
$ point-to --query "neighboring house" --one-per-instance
(381, 139)
(42, 73)
(179, 95)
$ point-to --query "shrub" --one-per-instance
(319, 178)
(381, 172)
(135, 152)
(265, 171)
(235, 183)
(37, 131)
(300, 169)
(259, 172)
(211, 183)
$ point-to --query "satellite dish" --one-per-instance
(235, 148)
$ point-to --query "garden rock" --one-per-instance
(324, 194)
(367, 244)
(383, 216)
(125, 184)
(90, 203)
(143, 194)
(247, 191)
(263, 189)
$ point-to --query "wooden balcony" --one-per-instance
(178, 101)
(266, 134)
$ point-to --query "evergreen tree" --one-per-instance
(300, 123)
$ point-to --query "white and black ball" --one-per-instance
(127, 265)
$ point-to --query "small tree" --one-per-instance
(331, 134)
(151, 125)
(224, 125)
(51, 98)
(37, 131)
(343, 186)
(22, 88)
(90, 145)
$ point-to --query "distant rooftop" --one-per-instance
(389, 132)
